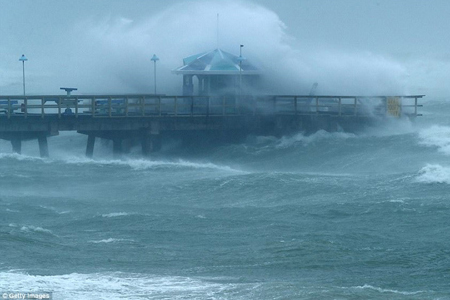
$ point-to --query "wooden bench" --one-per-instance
(10, 106)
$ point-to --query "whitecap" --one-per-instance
(145, 164)
(436, 136)
(396, 201)
(381, 290)
(19, 157)
(434, 173)
(116, 214)
(54, 210)
(111, 240)
(35, 229)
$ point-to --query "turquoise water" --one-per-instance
(327, 216)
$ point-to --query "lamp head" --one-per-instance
(155, 58)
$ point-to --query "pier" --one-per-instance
(148, 118)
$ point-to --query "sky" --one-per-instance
(349, 47)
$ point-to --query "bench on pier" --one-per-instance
(117, 106)
(10, 106)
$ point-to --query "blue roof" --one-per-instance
(216, 62)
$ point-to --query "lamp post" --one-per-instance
(23, 59)
(154, 59)
(240, 70)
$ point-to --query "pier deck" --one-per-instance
(120, 117)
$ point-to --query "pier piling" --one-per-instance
(117, 148)
(43, 145)
(90, 146)
(16, 145)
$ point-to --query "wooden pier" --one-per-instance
(148, 117)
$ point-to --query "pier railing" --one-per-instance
(126, 106)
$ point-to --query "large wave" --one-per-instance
(437, 136)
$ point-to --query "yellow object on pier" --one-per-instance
(394, 106)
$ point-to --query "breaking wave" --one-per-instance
(434, 174)
(116, 286)
(31, 229)
(144, 164)
(286, 142)
(436, 136)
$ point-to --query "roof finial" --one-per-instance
(217, 31)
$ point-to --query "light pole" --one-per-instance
(240, 70)
(23, 59)
(154, 59)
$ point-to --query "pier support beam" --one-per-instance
(16, 145)
(90, 146)
(43, 145)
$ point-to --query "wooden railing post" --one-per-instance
(109, 106)
(274, 104)
(317, 105)
(59, 107)
(176, 106)
(415, 106)
(26, 107)
(295, 105)
(76, 107)
(42, 108)
(92, 106)
(9, 108)
(159, 105)
(340, 106)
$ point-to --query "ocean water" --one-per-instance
(328, 216)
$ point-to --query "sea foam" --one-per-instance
(145, 164)
(115, 285)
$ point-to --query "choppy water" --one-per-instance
(328, 216)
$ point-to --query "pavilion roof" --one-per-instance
(216, 62)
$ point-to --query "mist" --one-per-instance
(106, 51)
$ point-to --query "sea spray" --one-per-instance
(436, 136)
(119, 60)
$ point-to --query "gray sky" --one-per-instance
(347, 46)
